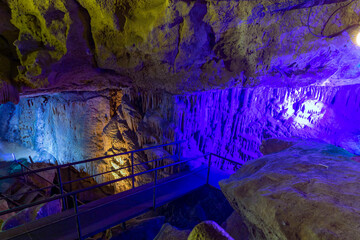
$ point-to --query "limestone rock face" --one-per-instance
(72, 126)
(274, 145)
(235, 226)
(308, 191)
(234, 122)
(178, 45)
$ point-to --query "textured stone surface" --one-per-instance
(168, 232)
(177, 45)
(33, 213)
(4, 206)
(274, 145)
(235, 227)
(308, 191)
(233, 122)
(73, 126)
(209, 230)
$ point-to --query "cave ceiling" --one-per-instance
(175, 45)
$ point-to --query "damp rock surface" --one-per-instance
(235, 226)
(175, 46)
(308, 191)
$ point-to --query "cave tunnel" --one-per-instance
(179, 119)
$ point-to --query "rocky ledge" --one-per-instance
(307, 191)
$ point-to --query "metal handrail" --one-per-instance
(52, 184)
(117, 199)
(73, 194)
(117, 169)
(64, 195)
(156, 184)
(58, 167)
(229, 160)
(90, 188)
(81, 179)
(89, 160)
(216, 155)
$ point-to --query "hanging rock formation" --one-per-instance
(176, 45)
(234, 122)
(230, 122)
(73, 126)
(308, 191)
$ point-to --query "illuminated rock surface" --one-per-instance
(308, 191)
(176, 45)
(230, 122)
(234, 122)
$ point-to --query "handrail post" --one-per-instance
(78, 226)
(132, 170)
(178, 151)
(61, 188)
(154, 192)
(22, 167)
(208, 172)
(178, 148)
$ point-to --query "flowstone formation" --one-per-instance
(73, 126)
(307, 191)
(176, 45)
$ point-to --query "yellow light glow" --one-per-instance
(118, 165)
(358, 39)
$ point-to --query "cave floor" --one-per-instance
(105, 213)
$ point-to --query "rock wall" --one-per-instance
(234, 122)
(73, 126)
(177, 45)
(307, 191)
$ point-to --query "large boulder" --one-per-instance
(308, 191)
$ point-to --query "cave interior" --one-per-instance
(265, 94)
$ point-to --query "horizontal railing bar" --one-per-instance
(190, 173)
(9, 199)
(114, 200)
(86, 161)
(80, 179)
(118, 169)
(229, 160)
(90, 188)
(35, 190)
(177, 178)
